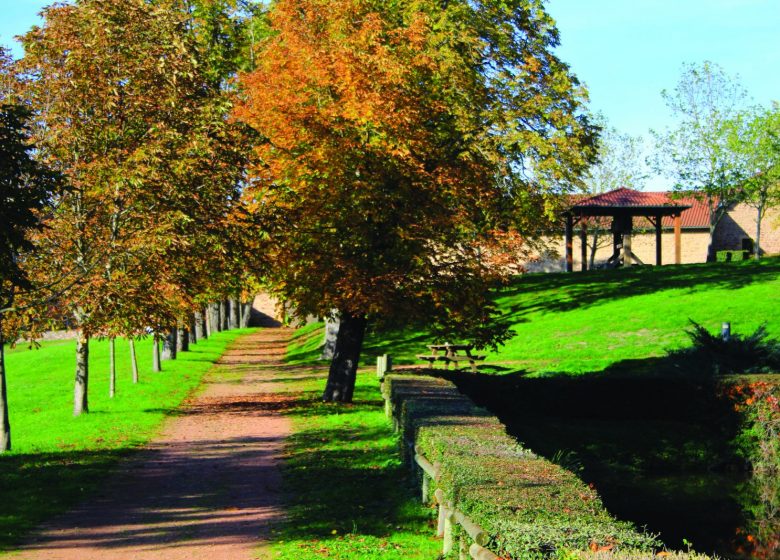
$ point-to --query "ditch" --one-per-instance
(659, 451)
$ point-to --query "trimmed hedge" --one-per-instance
(732, 256)
(530, 507)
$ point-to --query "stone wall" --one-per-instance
(694, 249)
(740, 223)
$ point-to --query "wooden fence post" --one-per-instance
(448, 520)
(384, 363)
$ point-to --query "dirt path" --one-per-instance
(207, 488)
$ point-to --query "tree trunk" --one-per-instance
(169, 344)
(111, 367)
(343, 367)
(5, 424)
(156, 357)
(215, 322)
(192, 332)
(182, 340)
(80, 393)
(246, 314)
(201, 329)
(224, 320)
(594, 247)
(235, 313)
(331, 333)
(757, 244)
(133, 360)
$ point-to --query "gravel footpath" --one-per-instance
(206, 488)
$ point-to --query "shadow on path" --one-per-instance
(208, 487)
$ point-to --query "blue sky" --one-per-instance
(625, 51)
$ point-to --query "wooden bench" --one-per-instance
(430, 358)
(472, 360)
(451, 355)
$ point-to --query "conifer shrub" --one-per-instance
(712, 355)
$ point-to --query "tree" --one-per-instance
(130, 111)
(401, 137)
(756, 138)
(698, 153)
(24, 186)
(619, 164)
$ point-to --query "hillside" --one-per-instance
(586, 322)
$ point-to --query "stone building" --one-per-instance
(735, 231)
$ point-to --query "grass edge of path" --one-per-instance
(348, 495)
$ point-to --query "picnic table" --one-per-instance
(451, 354)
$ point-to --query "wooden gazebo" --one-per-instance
(622, 205)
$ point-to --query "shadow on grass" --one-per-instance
(33, 487)
(347, 480)
(581, 290)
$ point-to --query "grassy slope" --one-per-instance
(621, 321)
(349, 494)
(58, 459)
(585, 322)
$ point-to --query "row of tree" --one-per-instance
(362, 158)
(131, 198)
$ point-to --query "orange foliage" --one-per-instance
(394, 165)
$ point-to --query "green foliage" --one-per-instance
(24, 183)
(619, 160)
(58, 460)
(712, 354)
(756, 138)
(698, 153)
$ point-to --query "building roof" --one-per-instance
(695, 213)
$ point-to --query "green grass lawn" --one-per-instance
(585, 379)
(585, 322)
(349, 495)
(58, 459)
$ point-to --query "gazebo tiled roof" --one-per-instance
(694, 217)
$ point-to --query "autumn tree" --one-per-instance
(24, 186)
(130, 111)
(698, 153)
(399, 138)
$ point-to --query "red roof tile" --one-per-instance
(697, 216)
(627, 197)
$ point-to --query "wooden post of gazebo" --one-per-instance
(658, 226)
(569, 243)
(677, 240)
(583, 244)
(628, 255)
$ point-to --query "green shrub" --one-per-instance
(711, 354)
(732, 256)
